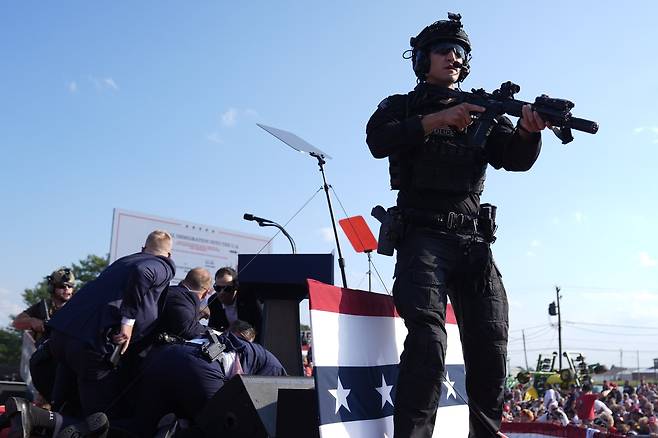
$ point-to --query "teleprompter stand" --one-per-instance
(303, 146)
(358, 233)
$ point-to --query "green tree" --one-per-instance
(88, 269)
(10, 346)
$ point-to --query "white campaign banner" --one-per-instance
(195, 245)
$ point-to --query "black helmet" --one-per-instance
(442, 30)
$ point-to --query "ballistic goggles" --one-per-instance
(443, 48)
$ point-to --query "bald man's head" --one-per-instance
(198, 279)
(158, 243)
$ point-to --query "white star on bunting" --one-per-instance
(449, 384)
(385, 392)
(340, 394)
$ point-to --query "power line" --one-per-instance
(602, 332)
(527, 328)
(611, 325)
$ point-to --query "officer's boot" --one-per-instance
(24, 417)
(95, 426)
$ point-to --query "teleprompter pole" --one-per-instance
(559, 324)
(341, 261)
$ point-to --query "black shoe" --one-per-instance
(95, 426)
(18, 411)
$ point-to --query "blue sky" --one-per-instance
(151, 106)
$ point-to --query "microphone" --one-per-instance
(251, 217)
(268, 223)
(457, 64)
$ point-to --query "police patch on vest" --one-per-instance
(443, 133)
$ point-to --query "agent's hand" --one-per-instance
(123, 337)
(531, 121)
(458, 117)
(36, 325)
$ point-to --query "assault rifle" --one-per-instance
(557, 112)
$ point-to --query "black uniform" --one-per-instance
(43, 366)
(443, 253)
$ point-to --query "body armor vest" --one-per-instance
(443, 163)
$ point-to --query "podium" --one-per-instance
(279, 281)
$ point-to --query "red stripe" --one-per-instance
(548, 429)
(355, 302)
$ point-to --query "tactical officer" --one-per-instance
(60, 285)
(42, 365)
(444, 234)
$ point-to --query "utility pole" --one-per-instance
(638, 363)
(559, 324)
(621, 358)
(525, 353)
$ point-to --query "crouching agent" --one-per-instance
(180, 378)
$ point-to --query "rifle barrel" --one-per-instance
(583, 125)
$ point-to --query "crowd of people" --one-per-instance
(625, 410)
(128, 348)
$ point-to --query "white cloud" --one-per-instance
(109, 82)
(535, 243)
(229, 118)
(530, 254)
(638, 305)
(73, 87)
(652, 130)
(646, 260)
(327, 234)
(640, 129)
(214, 138)
(104, 83)
(579, 217)
(555, 221)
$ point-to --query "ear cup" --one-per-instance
(421, 63)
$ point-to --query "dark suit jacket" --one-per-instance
(249, 310)
(128, 288)
(180, 314)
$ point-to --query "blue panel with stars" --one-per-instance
(364, 393)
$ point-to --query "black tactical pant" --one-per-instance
(431, 266)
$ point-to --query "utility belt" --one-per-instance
(441, 221)
(394, 220)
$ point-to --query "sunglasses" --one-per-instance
(228, 288)
(445, 48)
